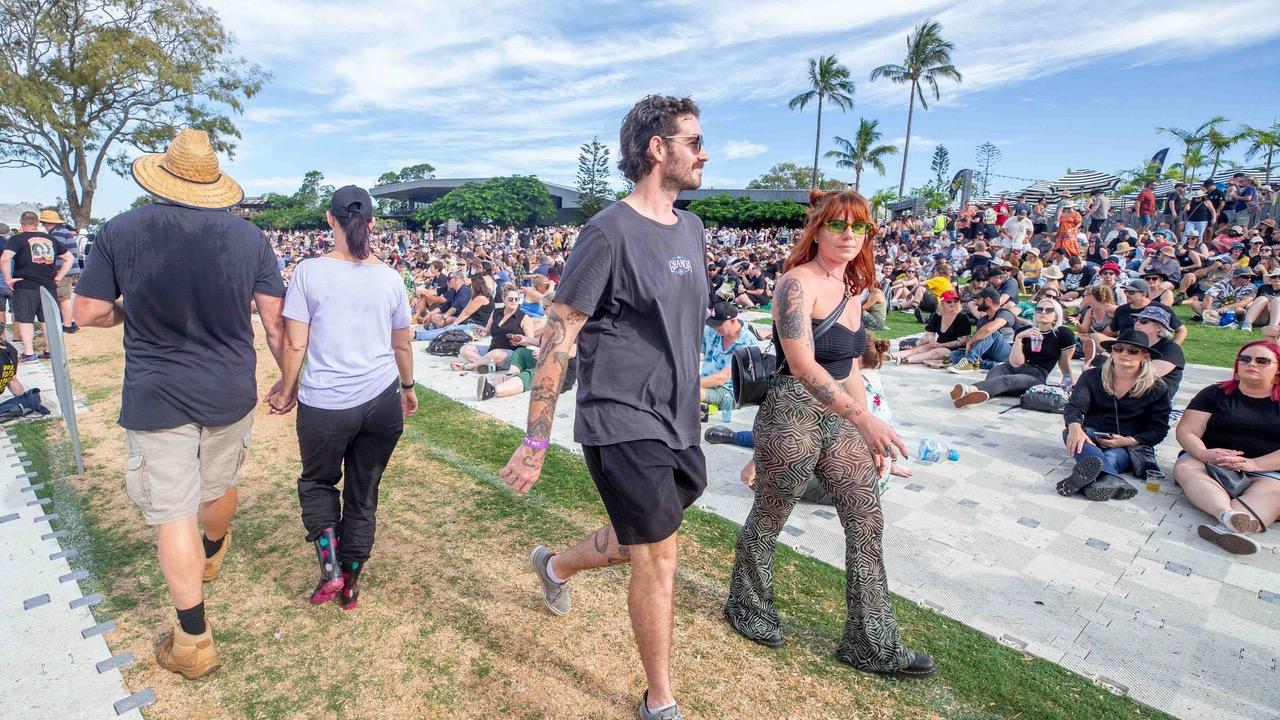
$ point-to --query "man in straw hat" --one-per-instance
(32, 260)
(57, 229)
(192, 273)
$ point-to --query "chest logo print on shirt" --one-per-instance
(680, 265)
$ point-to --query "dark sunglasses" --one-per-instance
(837, 227)
(1046, 310)
(1259, 360)
(696, 144)
(1126, 350)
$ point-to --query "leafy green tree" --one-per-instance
(928, 61)
(84, 83)
(881, 199)
(940, 166)
(863, 151)
(1262, 141)
(744, 212)
(828, 80)
(1218, 142)
(987, 155)
(593, 177)
(421, 171)
(790, 176)
(516, 200)
(140, 201)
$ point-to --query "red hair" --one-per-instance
(1229, 386)
(824, 207)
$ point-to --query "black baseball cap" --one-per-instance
(721, 312)
(351, 200)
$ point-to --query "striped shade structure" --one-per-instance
(1081, 182)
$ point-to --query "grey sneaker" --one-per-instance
(671, 713)
(554, 595)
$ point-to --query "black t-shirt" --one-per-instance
(1051, 347)
(1010, 322)
(1171, 352)
(35, 260)
(1217, 198)
(1200, 211)
(8, 364)
(1123, 319)
(640, 283)
(187, 276)
(960, 327)
(1174, 203)
(1239, 422)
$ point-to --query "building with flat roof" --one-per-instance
(419, 193)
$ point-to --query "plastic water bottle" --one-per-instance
(931, 451)
(726, 410)
(493, 366)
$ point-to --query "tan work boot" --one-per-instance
(191, 656)
(213, 565)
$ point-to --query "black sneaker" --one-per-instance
(485, 389)
(70, 329)
(1085, 472)
(29, 359)
(719, 435)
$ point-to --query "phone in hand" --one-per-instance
(1103, 435)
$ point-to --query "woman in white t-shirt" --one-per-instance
(347, 313)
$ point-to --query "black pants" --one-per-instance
(1005, 379)
(353, 445)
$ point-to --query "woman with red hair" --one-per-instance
(814, 422)
(1230, 461)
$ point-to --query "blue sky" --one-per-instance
(486, 88)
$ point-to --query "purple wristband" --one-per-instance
(536, 443)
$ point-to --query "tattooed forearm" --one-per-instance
(553, 363)
(792, 323)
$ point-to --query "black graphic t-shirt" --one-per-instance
(8, 364)
(35, 260)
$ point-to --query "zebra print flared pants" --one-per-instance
(797, 437)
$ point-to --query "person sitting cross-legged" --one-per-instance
(1112, 409)
(946, 330)
(1231, 428)
(991, 341)
(509, 327)
(1035, 351)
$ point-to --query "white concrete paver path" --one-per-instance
(1122, 592)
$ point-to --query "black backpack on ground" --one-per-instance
(448, 342)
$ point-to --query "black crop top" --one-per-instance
(834, 350)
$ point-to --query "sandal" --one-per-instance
(457, 366)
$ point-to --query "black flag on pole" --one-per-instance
(1158, 160)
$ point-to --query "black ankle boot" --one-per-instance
(350, 583)
(31, 399)
(330, 573)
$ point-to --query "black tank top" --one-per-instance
(835, 350)
(501, 341)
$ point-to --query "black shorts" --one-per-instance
(646, 486)
(26, 305)
(1095, 225)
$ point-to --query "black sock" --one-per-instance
(192, 620)
(211, 547)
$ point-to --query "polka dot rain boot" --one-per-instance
(350, 587)
(330, 574)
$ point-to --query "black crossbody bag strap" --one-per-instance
(822, 328)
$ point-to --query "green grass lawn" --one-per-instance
(1212, 345)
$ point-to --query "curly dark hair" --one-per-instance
(653, 115)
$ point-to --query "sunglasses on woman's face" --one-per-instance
(1259, 360)
(1126, 350)
(1046, 310)
(837, 227)
(513, 298)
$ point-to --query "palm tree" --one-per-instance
(1262, 141)
(882, 198)
(1192, 142)
(828, 80)
(863, 151)
(1218, 142)
(928, 60)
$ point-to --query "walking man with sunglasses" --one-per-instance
(633, 297)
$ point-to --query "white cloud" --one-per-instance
(738, 149)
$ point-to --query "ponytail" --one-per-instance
(356, 230)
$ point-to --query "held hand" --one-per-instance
(748, 473)
(408, 402)
(1222, 457)
(1030, 333)
(1076, 439)
(1117, 441)
(515, 338)
(281, 402)
(524, 469)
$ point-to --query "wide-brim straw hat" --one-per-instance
(1051, 272)
(187, 173)
(52, 217)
